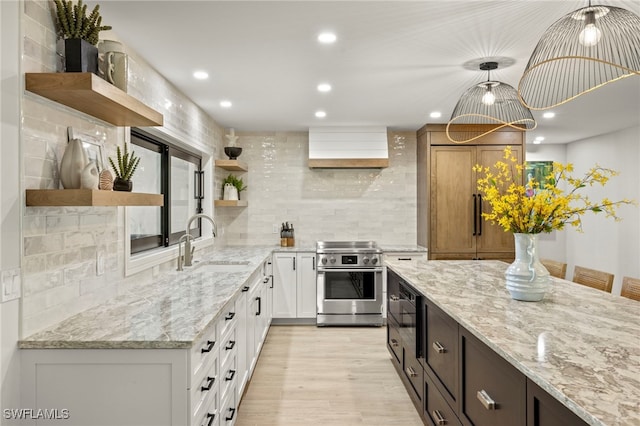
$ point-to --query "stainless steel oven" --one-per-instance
(349, 283)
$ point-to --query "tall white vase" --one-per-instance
(527, 278)
(73, 162)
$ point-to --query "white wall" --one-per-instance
(10, 199)
(605, 244)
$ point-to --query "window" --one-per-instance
(175, 173)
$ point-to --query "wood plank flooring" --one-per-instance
(309, 375)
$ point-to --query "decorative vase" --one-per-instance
(230, 192)
(527, 278)
(106, 180)
(74, 161)
(120, 184)
(80, 56)
(89, 178)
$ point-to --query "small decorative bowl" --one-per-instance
(232, 152)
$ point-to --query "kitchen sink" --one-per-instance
(209, 267)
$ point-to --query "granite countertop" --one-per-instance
(579, 344)
(170, 313)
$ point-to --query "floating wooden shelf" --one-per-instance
(232, 165)
(88, 93)
(90, 197)
(230, 203)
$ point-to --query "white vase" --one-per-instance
(230, 192)
(527, 278)
(73, 162)
(89, 178)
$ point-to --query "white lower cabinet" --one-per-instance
(199, 386)
(294, 280)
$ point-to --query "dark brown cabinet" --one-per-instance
(436, 409)
(544, 410)
(492, 391)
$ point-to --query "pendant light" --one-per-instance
(491, 105)
(582, 51)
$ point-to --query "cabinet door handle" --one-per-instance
(210, 382)
(486, 400)
(245, 289)
(210, 344)
(294, 263)
(438, 417)
(475, 215)
(411, 372)
(230, 316)
(394, 343)
(210, 416)
(313, 263)
(259, 300)
(232, 411)
(479, 214)
(439, 348)
(230, 375)
(405, 258)
(230, 345)
(271, 279)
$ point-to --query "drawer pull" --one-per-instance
(411, 372)
(438, 417)
(394, 343)
(245, 289)
(265, 280)
(230, 345)
(394, 297)
(233, 412)
(210, 416)
(230, 316)
(230, 375)
(210, 382)
(486, 400)
(438, 347)
(405, 258)
(209, 347)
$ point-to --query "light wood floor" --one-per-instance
(308, 375)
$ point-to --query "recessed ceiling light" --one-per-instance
(435, 114)
(549, 114)
(321, 114)
(225, 104)
(327, 38)
(200, 75)
(538, 140)
(324, 87)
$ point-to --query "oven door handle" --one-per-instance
(321, 269)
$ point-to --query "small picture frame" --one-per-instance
(93, 146)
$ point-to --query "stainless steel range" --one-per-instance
(349, 283)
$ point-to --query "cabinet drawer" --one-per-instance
(203, 352)
(208, 413)
(227, 320)
(228, 410)
(492, 391)
(228, 374)
(436, 407)
(228, 346)
(545, 410)
(393, 295)
(393, 340)
(413, 371)
(203, 389)
(441, 349)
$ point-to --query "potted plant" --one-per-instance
(124, 169)
(234, 182)
(80, 34)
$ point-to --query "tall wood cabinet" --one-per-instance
(449, 204)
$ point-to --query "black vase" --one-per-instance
(120, 184)
(80, 56)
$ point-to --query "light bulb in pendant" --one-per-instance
(488, 98)
(590, 34)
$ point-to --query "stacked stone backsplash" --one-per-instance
(64, 247)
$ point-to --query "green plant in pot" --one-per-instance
(124, 168)
(235, 182)
(80, 33)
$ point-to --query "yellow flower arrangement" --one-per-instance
(532, 208)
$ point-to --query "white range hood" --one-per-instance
(348, 147)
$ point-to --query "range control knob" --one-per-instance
(324, 260)
(374, 260)
(332, 260)
(365, 260)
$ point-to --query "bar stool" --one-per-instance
(593, 278)
(630, 288)
(555, 268)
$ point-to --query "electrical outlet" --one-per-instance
(275, 229)
(11, 284)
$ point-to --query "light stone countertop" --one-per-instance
(170, 313)
(579, 344)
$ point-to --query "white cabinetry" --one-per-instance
(294, 280)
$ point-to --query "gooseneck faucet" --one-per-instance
(188, 251)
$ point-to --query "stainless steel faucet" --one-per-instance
(188, 251)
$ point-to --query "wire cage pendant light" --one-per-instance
(580, 52)
(490, 105)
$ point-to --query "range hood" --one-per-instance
(348, 147)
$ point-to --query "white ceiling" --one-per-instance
(393, 64)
